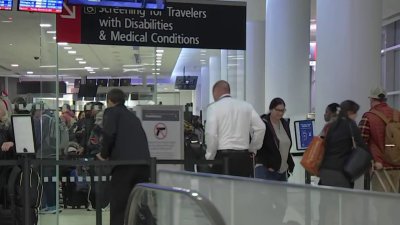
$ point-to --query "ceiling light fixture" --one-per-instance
(158, 61)
(51, 31)
(159, 54)
(54, 38)
(82, 62)
(78, 59)
(72, 52)
(14, 65)
(87, 68)
(158, 64)
(6, 21)
(49, 66)
(160, 51)
(62, 43)
(44, 25)
(29, 72)
(106, 68)
(68, 48)
(92, 72)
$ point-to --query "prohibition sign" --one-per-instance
(160, 131)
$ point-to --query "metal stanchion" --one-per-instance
(367, 181)
(226, 166)
(27, 200)
(153, 170)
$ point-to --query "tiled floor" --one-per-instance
(74, 217)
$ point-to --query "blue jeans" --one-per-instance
(263, 173)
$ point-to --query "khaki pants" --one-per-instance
(386, 181)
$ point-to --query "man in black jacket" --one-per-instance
(123, 139)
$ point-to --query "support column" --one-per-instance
(255, 65)
(224, 64)
(349, 60)
(205, 90)
(215, 74)
(287, 62)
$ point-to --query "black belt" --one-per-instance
(230, 151)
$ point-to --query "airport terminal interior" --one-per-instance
(63, 57)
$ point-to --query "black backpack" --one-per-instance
(15, 192)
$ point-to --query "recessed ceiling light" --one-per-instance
(68, 48)
(51, 32)
(106, 68)
(158, 61)
(82, 62)
(45, 25)
(156, 73)
(158, 69)
(92, 72)
(158, 64)
(159, 54)
(10, 44)
(202, 60)
(78, 59)
(54, 38)
(62, 43)
(14, 65)
(72, 52)
(160, 51)
(88, 68)
(29, 72)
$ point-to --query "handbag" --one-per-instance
(313, 155)
(358, 161)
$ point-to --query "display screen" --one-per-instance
(186, 82)
(139, 4)
(46, 6)
(6, 4)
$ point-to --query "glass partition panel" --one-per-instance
(242, 200)
(150, 204)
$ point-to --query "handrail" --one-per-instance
(208, 208)
(276, 183)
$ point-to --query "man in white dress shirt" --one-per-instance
(230, 125)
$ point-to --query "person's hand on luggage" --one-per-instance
(6, 146)
(378, 166)
(98, 155)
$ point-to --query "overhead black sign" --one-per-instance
(180, 25)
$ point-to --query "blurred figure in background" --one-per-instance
(67, 116)
(330, 116)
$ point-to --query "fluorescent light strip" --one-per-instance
(51, 32)
(67, 48)
(62, 43)
(14, 65)
(72, 52)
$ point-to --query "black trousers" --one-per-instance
(240, 163)
(124, 179)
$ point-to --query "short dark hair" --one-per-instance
(275, 102)
(333, 107)
(116, 96)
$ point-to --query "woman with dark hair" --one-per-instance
(274, 160)
(330, 116)
(339, 146)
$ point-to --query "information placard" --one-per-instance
(220, 25)
(304, 130)
(23, 134)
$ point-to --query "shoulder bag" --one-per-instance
(358, 162)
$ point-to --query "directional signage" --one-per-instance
(182, 25)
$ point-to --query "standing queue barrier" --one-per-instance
(26, 163)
